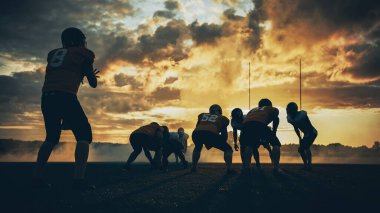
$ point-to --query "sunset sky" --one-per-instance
(168, 61)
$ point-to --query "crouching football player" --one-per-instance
(64, 73)
(211, 131)
(173, 145)
(301, 121)
(183, 136)
(255, 132)
(148, 138)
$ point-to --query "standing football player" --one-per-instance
(183, 140)
(301, 121)
(256, 132)
(211, 131)
(65, 70)
(173, 145)
(148, 138)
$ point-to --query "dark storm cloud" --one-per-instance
(124, 80)
(164, 13)
(230, 14)
(205, 33)
(301, 22)
(366, 61)
(19, 94)
(171, 5)
(29, 29)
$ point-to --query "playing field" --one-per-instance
(327, 188)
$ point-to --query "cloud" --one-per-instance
(164, 94)
(124, 80)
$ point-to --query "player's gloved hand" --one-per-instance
(236, 147)
(96, 72)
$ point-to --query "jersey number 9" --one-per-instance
(57, 58)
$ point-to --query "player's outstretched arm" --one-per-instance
(91, 74)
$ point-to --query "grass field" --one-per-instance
(327, 188)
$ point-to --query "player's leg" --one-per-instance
(197, 150)
(52, 118)
(137, 148)
(181, 156)
(148, 156)
(82, 131)
(165, 155)
(256, 156)
(176, 158)
(302, 152)
(309, 142)
(157, 158)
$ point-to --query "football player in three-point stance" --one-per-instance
(173, 145)
(65, 70)
(301, 121)
(148, 138)
(211, 131)
(255, 131)
(183, 136)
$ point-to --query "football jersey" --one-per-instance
(211, 122)
(264, 115)
(301, 120)
(65, 70)
(152, 129)
(236, 124)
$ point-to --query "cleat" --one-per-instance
(40, 183)
(82, 185)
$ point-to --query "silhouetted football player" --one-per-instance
(301, 121)
(183, 136)
(173, 145)
(211, 131)
(255, 132)
(65, 70)
(237, 118)
(148, 138)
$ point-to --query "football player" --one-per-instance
(148, 138)
(183, 140)
(65, 70)
(237, 118)
(301, 121)
(255, 132)
(211, 131)
(173, 145)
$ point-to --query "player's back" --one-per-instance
(151, 129)
(265, 115)
(64, 71)
(211, 122)
(302, 121)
